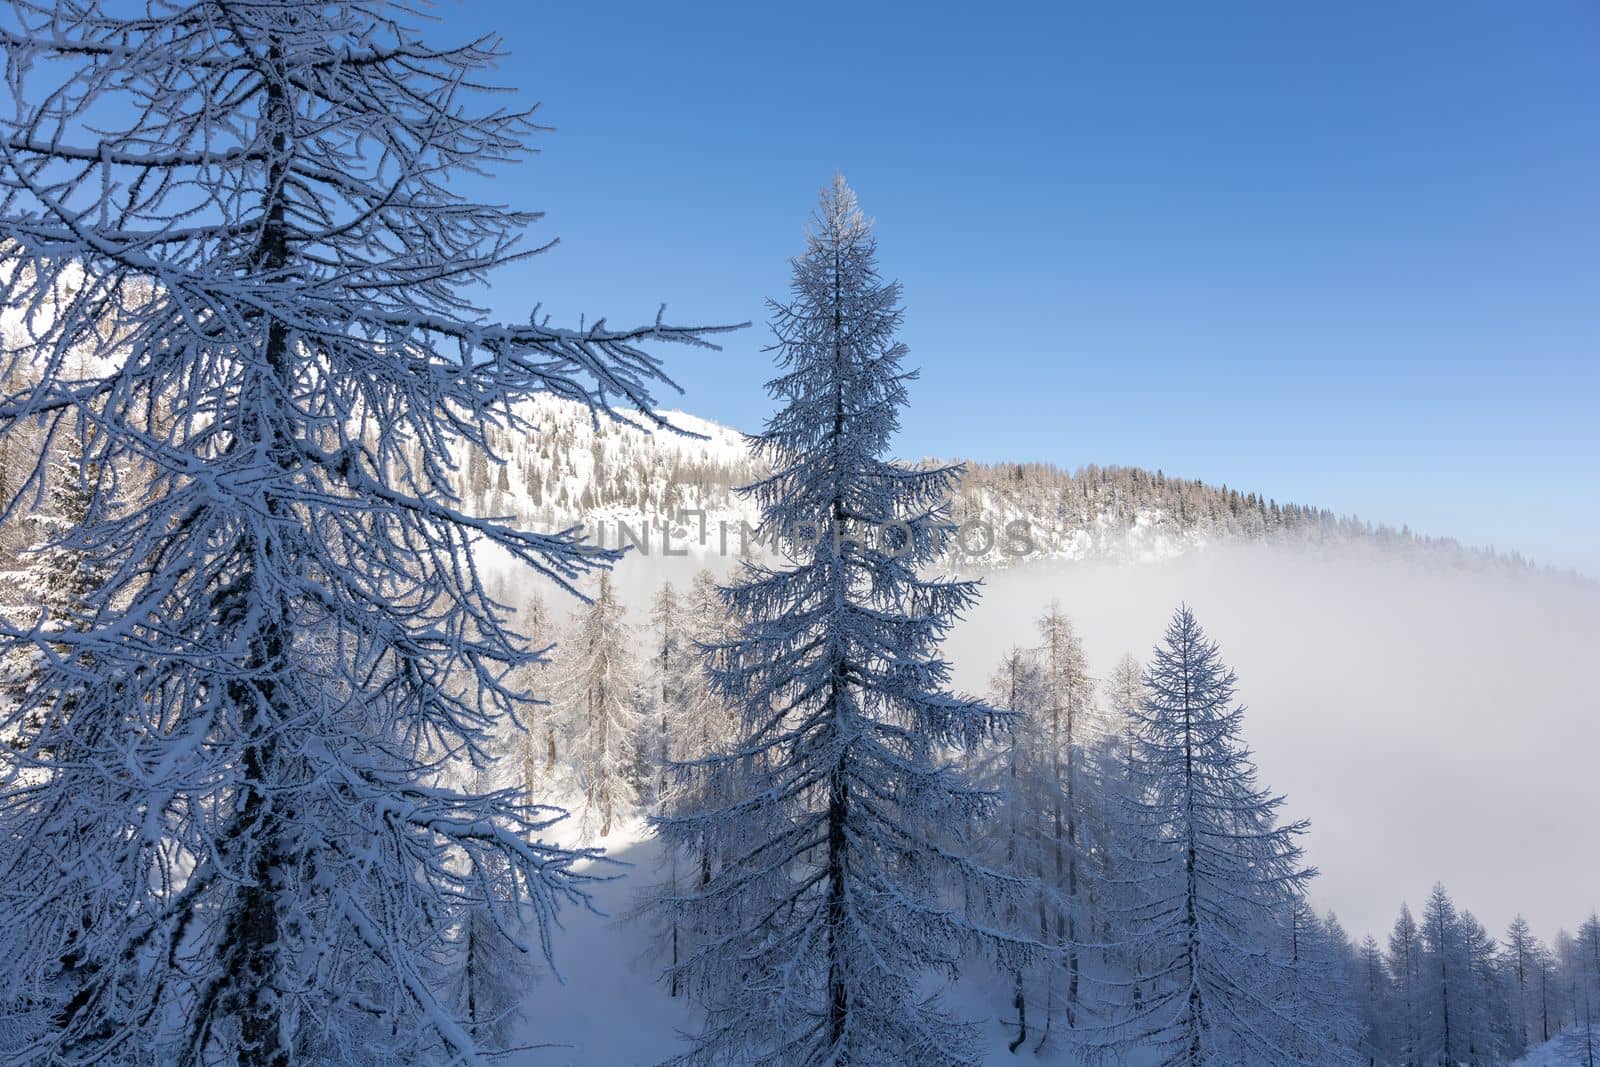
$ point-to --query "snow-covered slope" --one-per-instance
(1553, 1053)
(608, 1005)
(576, 469)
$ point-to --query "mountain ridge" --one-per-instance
(577, 470)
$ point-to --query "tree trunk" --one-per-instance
(838, 994)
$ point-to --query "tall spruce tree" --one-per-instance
(829, 909)
(255, 203)
(1212, 873)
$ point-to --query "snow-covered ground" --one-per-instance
(1549, 1054)
(608, 1005)
(609, 1008)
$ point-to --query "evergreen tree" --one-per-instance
(488, 970)
(1124, 692)
(1586, 957)
(1373, 991)
(1491, 1027)
(710, 723)
(673, 670)
(1314, 997)
(1068, 724)
(535, 741)
(1214, 870)
(1582, 1043)
(274, 260)
(702, 725)
(1549, 987)
(599, 693)
(62, 572)
(672, 666)
(1519, 957)
(1405, 969)
(829, 913)
(1020, 781)
(1448, 985)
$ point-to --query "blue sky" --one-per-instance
(1343, 254)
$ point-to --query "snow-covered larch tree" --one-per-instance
(1069, 725)
(707, 723)
(1373, 995)
(274, 263)
(1124, 693)
(1405, 971)
(600, 695)
(1314, 994)
(1212, 873)
(1017, 776)
(830, 909)
(1579, 957)
(672, 667)
(532, 738)
(1442, 957)
(696, 722)
(1519, 956)
(59, 579)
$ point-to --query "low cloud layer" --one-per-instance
(1433, 724)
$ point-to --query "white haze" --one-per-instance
(1434, 724)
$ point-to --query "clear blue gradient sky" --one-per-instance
(1342, 254)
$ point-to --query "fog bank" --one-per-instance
(1433, 724)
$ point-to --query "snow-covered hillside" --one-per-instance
(624, 483)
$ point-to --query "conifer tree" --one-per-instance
(1124, 693)
(1019, 780)
(276, 266)
(489, 971)
(1444, 981)
(1582, 1042)
(1314, 998)
(1068, 723)
(599, 691)
(535, 741)
(1520, 956)
(1213, 872)
(1373, 993)
(1491, 1026)
(1405, 970)
(709, 723)
(672, 666)
(828, 911)
(62, 573)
